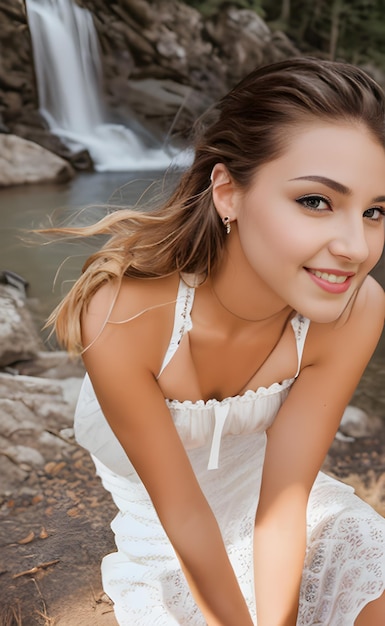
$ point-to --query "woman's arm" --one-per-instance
(297, 444)
(122, 364)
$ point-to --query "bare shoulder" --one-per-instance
(357, 332)
(130, 296)
(130, 316)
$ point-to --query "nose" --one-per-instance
(351, 241)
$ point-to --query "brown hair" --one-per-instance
(253, 125)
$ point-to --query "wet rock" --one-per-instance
(23, 162)
(77, 156)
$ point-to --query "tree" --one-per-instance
(285, 11)
(349, 29)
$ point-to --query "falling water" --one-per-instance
(69, 77)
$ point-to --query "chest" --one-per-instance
(207, 365)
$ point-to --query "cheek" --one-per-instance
(262, 227)
(270, 247)
(376, 248)
(277, 235)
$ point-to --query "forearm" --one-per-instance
(279, 551)
(209, 573)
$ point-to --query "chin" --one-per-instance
(329, 315)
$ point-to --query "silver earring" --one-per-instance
(227, 224)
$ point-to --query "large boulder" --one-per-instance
(23, 161)
(175, 49)
(19, 340)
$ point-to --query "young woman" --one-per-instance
(223, 336)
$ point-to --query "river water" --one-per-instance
(34, 206)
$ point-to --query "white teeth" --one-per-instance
(331, 278)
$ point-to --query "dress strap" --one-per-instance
(300, 326)
(182, 321)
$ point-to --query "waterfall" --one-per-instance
(69, 78)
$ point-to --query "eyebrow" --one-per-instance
(329, 182)
(333, 184)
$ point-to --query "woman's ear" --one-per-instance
(223, 192)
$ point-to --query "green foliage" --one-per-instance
(349, 29)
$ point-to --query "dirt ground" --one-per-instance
(51, 544)
(51, 547)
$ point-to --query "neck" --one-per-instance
(237, 315)
(238, 290)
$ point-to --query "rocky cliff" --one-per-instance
(163, 64)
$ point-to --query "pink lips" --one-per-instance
(326, 285)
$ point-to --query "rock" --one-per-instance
(3, 127)
(25, 455)
(16, 66)
(245, 41)
(139, 9)
(46, 364)
(7, 277)
(141, 41)
(36, 417)
(163, 102)
(12, 474)
(13, 105)
(36, 410)
(45, 396)
(77, 156)
(23, 162)
(207, 57)
(357, 423)
(15, 416)
(70, 390)
(19, 339)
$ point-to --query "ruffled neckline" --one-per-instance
(248, 395)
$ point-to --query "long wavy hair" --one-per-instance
(253, 124)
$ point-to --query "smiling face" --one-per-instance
(311, 225)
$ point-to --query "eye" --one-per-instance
(315, 202)
(375, 214)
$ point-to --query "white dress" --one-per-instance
(225, 441)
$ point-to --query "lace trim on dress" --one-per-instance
(182, 321)
(247, 396)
